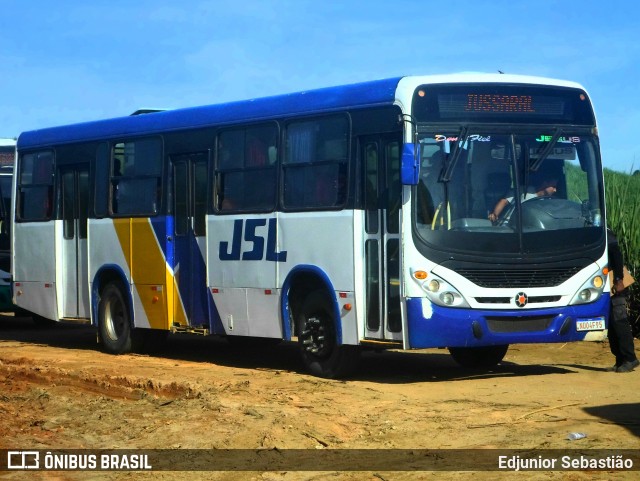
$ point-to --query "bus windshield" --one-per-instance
(496, 192)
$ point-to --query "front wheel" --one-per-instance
(317, 340)
(482, 357)
(114, 320)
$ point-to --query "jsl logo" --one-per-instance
(258, 251)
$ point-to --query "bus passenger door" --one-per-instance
(382, 197)
(189, 194)
(74, 185)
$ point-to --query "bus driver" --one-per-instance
(547, 187)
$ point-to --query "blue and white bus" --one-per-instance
(346, 217)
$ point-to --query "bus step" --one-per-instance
(382, 344)
(177, 329)
(75, 320)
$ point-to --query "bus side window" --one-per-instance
(136, 179)
(246, 170)
(315, 164)
(36, 186)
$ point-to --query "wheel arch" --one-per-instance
(299, 283)
(106, 274)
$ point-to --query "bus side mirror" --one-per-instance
(410, 165)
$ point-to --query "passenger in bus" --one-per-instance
(620, 333)
(546, 187)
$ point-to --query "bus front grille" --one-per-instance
(518, 277)
(509, 300)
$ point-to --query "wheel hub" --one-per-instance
(313, 337)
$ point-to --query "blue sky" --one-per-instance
(72, 61)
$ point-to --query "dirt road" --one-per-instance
(58, 391)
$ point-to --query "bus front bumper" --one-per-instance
(430, 325)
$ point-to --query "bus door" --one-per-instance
(189, 193)
(74, 186)
(382, 197)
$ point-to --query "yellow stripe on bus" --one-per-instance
(150, 273)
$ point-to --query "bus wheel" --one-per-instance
(114, 323)
(484, 357)
(317, 341)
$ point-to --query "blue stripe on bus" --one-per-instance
(189, 268)
(366, 94)
(451, 327)
(163, 229)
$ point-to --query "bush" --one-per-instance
(623, 217)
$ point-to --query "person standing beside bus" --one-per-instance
(620, 334)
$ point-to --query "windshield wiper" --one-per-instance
(546, 151)
(447, 169)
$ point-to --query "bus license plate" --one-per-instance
(590, 325)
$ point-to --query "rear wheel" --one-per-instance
(483, 357)
(114, 321)
(317, 340)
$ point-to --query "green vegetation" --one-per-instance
(623, 217)
(622, 192)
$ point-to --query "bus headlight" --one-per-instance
(447, 298)
(441, 293)
(585, 295)
(590, 291)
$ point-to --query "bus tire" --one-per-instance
(317, 340)
(479, 357)
(114, 320)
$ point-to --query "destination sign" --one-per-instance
(499, 103)
(502, 103)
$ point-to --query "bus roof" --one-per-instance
(7, 142)
(482, 77)
(359, 95)
(378, 92)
